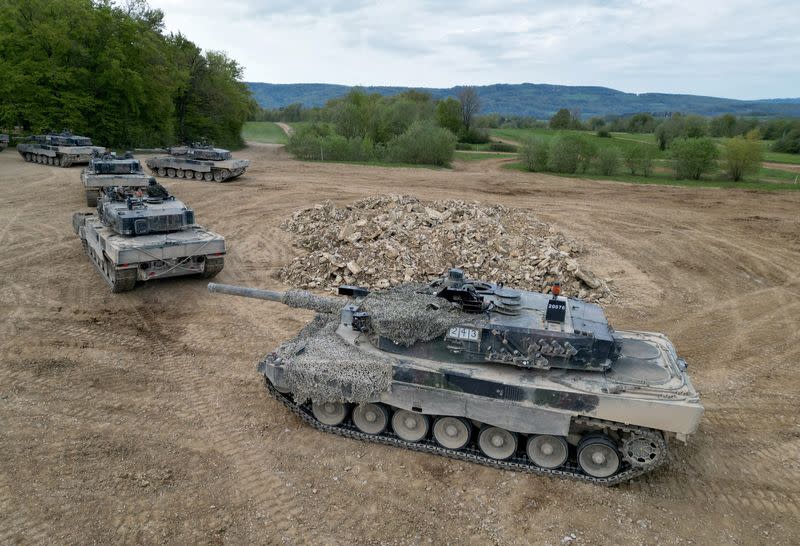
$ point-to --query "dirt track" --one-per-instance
(140, 418)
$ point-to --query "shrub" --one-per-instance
(788, 143)
(742, 157)
(465, 146)
(474, 135)
(306, 142)
(423, 142)
(693, 157)
(608, 161)
(639, 159)
(603, 133)
(571, 153)
(502, 147)
(534, 154)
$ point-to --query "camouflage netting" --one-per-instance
(321, 366)
(300, 299)
(383, 241)
(406, 316)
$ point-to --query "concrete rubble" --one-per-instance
(383, 241)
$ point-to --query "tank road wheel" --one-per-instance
(218, 176)
(188, 175)
(208, 177)
(597, 456)
(371, 418)
(198, 175)
(547, 451)
(451, 432)
(410, 426)
(28, 157)
(329, 413)
(178, 173)
(58, 161)
(91, 198)
(171, 173)
(162, 171)
(497, 443)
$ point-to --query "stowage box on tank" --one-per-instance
(481, 372)
(61, 149)
(108, 170)
(146, 234)
(199, 162)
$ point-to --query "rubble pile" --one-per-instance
(383, 241)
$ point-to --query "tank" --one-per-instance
(3, 141)
(143, 234)
(108, 170)
(484, 373)
(59, 149)
(200, 162)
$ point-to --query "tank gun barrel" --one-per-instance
(293, 298)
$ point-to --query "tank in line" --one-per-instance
(199, 162)
(108, 170)
(58, 149)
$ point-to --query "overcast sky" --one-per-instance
(726, 48)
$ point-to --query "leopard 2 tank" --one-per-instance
(200, 162)
(108, 170)
(146, 234)
(481, 372)
(58, 149)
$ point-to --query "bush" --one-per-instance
(465, 146)
(534, 154)
(742, 157)
(571, 153)
(474, 136)
(608, 161)
(603, 133)
(789, 143)
(639, 159)
(502, 147)
(424, 143)
(693, 157)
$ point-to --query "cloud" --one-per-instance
(725, 48)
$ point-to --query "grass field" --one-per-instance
(478, 156)
(264, 131)
(621, 141)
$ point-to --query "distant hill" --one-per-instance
(542, 100)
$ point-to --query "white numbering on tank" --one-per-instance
(464, 334)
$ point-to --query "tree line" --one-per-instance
(111, 72)
(409, 127)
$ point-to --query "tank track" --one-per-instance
(217, 175)
(213, 266)
(570, 470)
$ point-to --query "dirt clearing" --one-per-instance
(139, 417)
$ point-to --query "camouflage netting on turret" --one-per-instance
(321, 366)
(300, 299)
(410, 313)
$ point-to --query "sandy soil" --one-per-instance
(140, 418)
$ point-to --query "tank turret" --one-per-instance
(134, 211)
(484, 373)
(106, 170)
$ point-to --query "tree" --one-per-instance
(669, 130)
(695, 127)
(570, 153)
(742, 157)
(561, 119)
(693, 157)
(448, 115)
(639, 159)
(534, 154)
(470, 105)
(608, 161)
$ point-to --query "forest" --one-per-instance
(111, 72)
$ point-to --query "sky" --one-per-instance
(724, 48)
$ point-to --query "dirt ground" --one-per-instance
(140, 418)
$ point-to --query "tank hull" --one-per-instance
(123, 260)
(58, 156)
(648, 401)
(197, 169)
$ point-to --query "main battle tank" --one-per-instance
(3, 142)
(198, 161)
(146, 234)
(62, 149)
(107, 171)
(484, 373)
